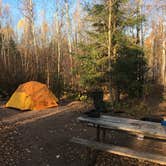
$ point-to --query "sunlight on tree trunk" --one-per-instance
(69, 34)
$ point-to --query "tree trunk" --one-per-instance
(163, 72)
(69, 29)
(110, 46)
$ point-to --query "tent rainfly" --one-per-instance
(32, 96)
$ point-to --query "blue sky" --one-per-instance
(39, 5)
(13, 8)
(47, 5)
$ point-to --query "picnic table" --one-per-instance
(135, 127)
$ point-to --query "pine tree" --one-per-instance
(111, 48)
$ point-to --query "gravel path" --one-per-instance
(43, 139)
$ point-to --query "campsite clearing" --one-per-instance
(43, 138)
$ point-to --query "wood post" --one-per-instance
(103, 134)
(98, 133)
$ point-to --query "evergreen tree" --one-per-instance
(112, 55)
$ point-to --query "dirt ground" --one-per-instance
(43, 139)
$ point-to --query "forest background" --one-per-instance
(77, 46)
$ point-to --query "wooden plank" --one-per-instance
(132, 121)
(149, 129)
(137, 123)
(121, 151)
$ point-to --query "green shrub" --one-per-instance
(128, 75)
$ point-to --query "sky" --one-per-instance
(13, 8)
(47, 5)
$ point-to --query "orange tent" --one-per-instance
(32, 96)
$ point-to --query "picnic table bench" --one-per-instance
(139, 128)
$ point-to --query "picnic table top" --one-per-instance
(148, 129)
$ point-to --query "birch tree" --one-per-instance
(31, 61)
(69, 37)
